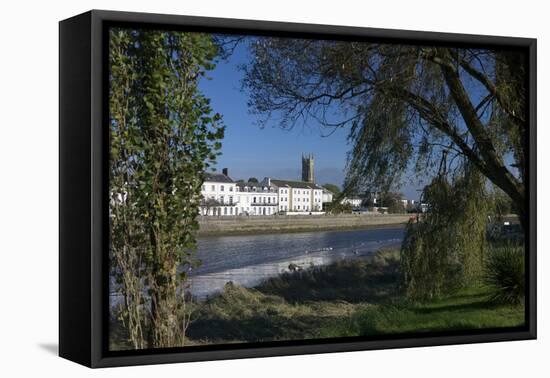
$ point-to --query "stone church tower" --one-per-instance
(307, 168)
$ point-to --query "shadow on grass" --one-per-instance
(254, 329)
(482, 304)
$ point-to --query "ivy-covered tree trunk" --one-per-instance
(174, 140)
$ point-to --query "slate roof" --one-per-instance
(216, 177)
(295, 184)
(251, 185)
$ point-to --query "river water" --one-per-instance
(249, 259)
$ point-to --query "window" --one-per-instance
(221, 188)
(213, 188)
(225, 211)
(230, 188)
(254, 200)
(204, 187)
(269, 200)
(231, 200)
(221, 199)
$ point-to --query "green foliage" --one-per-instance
(253, 180)
(336, 207)
(334, 189)
(444, 251)
(393, 201)
(467, 309)
(501, 204)
(504, 274)
(163, 136)
(404, 106)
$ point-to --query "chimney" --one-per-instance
(225, 171)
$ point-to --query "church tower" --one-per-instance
(307, 168)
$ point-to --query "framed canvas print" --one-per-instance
(234, 188)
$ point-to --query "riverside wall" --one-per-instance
(228, 225)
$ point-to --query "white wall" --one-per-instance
(284, 198)
(29, 190)
(223, 192)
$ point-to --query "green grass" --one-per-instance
(247, 315)
(361, 297)
(348, 298)
(468, 309)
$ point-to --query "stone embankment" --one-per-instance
(297, 223)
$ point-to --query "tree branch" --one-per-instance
(497, 172)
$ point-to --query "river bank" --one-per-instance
(348, 298)
(246, 225)
(247, 260)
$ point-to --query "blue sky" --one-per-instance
(251, 151)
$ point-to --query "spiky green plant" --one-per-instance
(505, 274)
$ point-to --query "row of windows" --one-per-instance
(283, 191)
(262, 199)
(216, 211)
(268, 200)
(239, 210)
(254, 189)
(265, 200)
(237, 189)
(222, 188)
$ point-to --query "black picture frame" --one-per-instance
(83, 159)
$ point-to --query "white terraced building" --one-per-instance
(224, 197)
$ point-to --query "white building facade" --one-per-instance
(221, 196)
(353, 201)
(298, 196)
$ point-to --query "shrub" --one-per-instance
(443, 250)
(505, 274)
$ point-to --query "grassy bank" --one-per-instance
(468, 309)
(359, 297)
(348, 298)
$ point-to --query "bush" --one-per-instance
(443, 251)
(505, 274)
